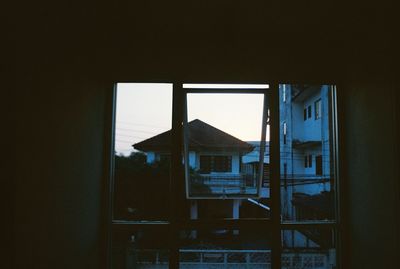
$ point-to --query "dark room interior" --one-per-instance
(70, 54)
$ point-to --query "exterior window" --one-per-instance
(284, 93)
(318, 165)
(220, 164)
(284, 133)
(285, 170)
(308, 161)
(173, 166)
(317, 109)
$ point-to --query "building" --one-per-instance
(307, 183)
(220, 166)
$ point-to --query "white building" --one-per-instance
(214, 168)
(306, 166)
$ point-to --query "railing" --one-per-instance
(223, 184)
(225, 258)
(209, 258)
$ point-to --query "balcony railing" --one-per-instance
(216, 258)
(223, 185)
(242, 185)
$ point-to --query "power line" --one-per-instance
(141, 124)
(123, 141)
(133, 130)
(130, 136)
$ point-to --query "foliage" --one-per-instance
(140, 189)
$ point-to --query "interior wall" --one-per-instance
(370, 175)
(69, 55)
(60, 174)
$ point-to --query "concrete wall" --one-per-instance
(311, 126)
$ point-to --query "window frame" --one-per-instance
(275, 224)
(318, 112)
(319, 165)
(284, 132)
(213, 159)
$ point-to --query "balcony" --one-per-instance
(222, 186)
(224, 258)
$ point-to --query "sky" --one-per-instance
(144, 110)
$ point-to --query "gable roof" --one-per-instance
(202, 136)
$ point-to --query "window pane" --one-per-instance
(309, 248)
(142, 156)
(140, 249)
(224, 178)
(224, 248)
(222, 142)
(307, 168)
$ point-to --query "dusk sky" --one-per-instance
(145, 109)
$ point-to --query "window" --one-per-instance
(210, 164)
(308, 161)
(317, 107)
(192, 192)
(318, 165)
(284, 93)
(284, 133)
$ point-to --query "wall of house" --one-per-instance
(311, 126)
(69, 56)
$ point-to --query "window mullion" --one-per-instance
(177, 172)
(275, 176)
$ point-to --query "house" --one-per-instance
(214, 158)
(215, 168)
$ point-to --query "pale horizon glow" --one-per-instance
(224, 86)
(239, 115)
(144, 110)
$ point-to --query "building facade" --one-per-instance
(306, 159)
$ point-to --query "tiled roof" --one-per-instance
(202, 136)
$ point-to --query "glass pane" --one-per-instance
(306, 149)
(222, 146)
(142, 156)
(310, 248)
(140, 249)
(224, 248)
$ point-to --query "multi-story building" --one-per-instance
(306, 158)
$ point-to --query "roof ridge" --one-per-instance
(200, 134)
(192, 121)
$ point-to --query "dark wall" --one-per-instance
(370, 179)
(70, 54)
